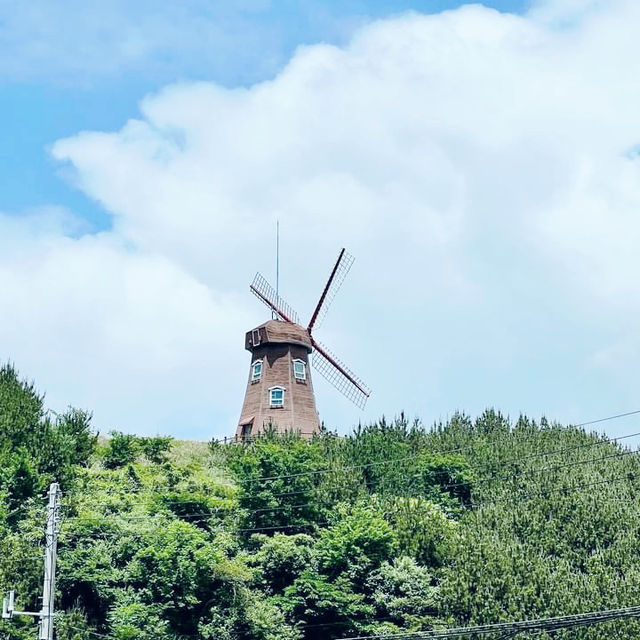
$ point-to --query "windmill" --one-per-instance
(279, 390)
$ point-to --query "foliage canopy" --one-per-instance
(392, 528)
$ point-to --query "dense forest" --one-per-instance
(396, 527)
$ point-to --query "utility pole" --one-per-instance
(50, 557)
(46, 614)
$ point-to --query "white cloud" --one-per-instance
(105, 327)
(476, 163)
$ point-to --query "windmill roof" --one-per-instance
(281, 331)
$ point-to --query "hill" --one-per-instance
(395, 527)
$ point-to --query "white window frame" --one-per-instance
(273, 405)
(254, 366)
(302, 377)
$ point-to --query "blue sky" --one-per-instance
(475, 159)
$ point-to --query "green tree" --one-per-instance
(123, 449)
(156, 449)
(405, 594)
(281, 559)
(179, 570)
(278, 480)
(326, 607)
(357, 543)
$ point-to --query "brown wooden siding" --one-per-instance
(282, 345)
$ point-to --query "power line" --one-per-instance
(92, 633)
(528, 472)
(443, 487)
(251, 440)
(601, 442)
(475, 507)
(537, 625)
(436, 452)
(520, 496)
(346, 468)
(619, 415)
(413, 456)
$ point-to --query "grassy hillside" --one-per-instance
(394, 528)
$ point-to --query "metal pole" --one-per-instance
(273, 314)
(50, 556)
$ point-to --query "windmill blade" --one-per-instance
(265, 292)
(345, 381)
(338, 274)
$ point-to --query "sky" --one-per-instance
(481, 162)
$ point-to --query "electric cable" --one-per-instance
(444, 487)
(521, 626)
(442, 452)
(601, 442)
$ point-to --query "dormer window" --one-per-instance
(276, 397)
(300, 370)
(256, 370)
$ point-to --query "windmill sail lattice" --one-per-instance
(336, 373)
(265, 292)
(339, 273)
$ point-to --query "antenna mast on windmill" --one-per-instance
(279, 391)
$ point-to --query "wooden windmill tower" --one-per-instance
(279, 390)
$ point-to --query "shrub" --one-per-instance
(123, 449)
(155, 449)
